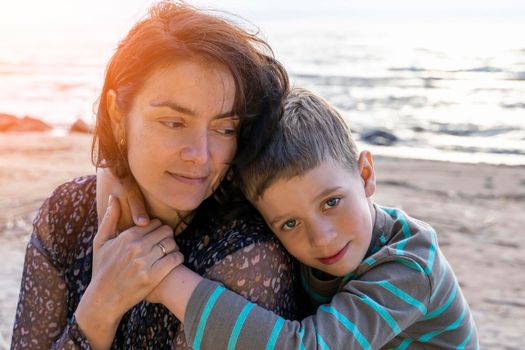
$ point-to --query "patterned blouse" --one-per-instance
(243, 255)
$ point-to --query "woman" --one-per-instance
(185, 95)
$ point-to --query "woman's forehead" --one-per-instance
(192, 87)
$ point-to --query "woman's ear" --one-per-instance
(114, 115)
(366, 170)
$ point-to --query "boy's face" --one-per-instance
(325, 217)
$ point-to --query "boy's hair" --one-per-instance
(309, 132)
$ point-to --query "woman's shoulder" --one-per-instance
(67, 217)
(214, 240)
(248, 227)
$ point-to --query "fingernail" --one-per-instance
(142, 220)
(110, 201)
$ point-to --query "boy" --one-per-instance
(378, 274)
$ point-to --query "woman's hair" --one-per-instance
(172, 31)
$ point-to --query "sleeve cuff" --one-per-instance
(76, 335)
(195, 307)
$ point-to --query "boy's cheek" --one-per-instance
(293, 248)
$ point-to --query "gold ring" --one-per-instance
(163, 248)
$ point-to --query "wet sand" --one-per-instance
(477, 211)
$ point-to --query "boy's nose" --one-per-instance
(322, 234)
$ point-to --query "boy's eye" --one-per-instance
(289, 224)
(332, 202)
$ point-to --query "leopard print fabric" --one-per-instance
(242, 255)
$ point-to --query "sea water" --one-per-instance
(449, 90)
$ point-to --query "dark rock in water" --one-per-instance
(80, 126)
(418, 128)
(27, 124)
(378, 137)
(7, 121)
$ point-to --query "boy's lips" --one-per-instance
(329, 260)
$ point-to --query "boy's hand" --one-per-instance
(133, 210)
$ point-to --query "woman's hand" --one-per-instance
(130, 198)
(126, 268)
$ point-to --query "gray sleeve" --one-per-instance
(261, 273)
(367, 313)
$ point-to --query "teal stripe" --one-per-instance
(238, 326)
(412, 264)
(275, 334)
(467, 339)
(431, 253)
(382, 238)
(301, 335)
(404, 344)
(436, 289)
(370, 261)
(349, 325)
(450, 327)
(445, 306)
(396, 214)
(322, 344)
(403, 296)
(383, 313)
(205, 315)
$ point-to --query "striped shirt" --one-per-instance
(403, 295)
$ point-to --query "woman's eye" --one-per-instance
(227, 131)
(172, 125)
(226, 126)
(330, 203)
(289, 224)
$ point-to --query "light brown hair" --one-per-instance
(309, 132)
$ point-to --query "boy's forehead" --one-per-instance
(312, 184)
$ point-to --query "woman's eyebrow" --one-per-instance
(173, 105)
(184, 110)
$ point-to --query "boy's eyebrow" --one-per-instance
(184, 110)
(319, 196)
(327, 192)
(276, 219)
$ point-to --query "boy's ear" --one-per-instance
(114, 113)
(366, 170)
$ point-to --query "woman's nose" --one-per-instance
(322, 233)
(196, 148)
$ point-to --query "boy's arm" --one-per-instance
(368, 313)
(263, 272)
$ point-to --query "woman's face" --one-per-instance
(181, 135)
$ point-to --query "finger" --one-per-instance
(138, 210)
(163, 266)
(108, 227)
(157, 235)
(125, 221)
(137, 233)
(162, 248)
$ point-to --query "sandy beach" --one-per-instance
(477, 211)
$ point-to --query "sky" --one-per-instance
(37, 15)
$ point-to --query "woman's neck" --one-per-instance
(177, 220)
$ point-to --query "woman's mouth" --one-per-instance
(329, 260)
(189, 179)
